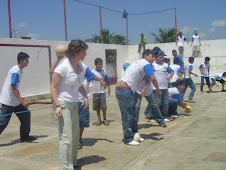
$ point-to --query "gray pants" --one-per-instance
(68, 126)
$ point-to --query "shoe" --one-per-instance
(106, 123)
(141, 139)
(76, 166)
(166, 120)
(208, 91)
(191, 101)
(174, 116)
(28, 139)
(133, 143)
(223, 90)
(152, 120)
(80, 144)
(163, 124)
(98, 123)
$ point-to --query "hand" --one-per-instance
(58, 112)
(188, 110)
(85, 103)
(24, 103)
(168, 77)
(159, 93)
(196, 75)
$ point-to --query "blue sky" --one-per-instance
(44, 19)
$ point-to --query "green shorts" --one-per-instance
(99, 101)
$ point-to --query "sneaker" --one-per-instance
(133, 143)
(208, 91)
(191, 101)
(106, 123)
(166, 120)
(141, 139)
(163, 124)
(28, 139)
(152, 120)
(98, 123)
(174, 116)
(223, 90)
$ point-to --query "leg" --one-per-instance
(25, 120)
(193, 89)
(207, 81)
(144, 46)
(147, 110)
(136, 111)
(5, 117)
(202, 83)
(165, 102)
(140, 45)
(126, 102)
(185, 88)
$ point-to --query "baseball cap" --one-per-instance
(125, 66)
(207, 59)
(160, 53)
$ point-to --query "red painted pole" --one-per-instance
(10, 25)
(176, 24)
(101, 32)
(127, 32)
(65, 21)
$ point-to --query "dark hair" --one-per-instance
(22, 56)
(98, 60)
(166, 60)
(174, 51)
(180, 82)
(190, 59)
(147, 52)
(176, 60)
(75, 47)
(224, 74)
(207, 59)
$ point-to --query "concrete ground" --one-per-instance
(192, 141)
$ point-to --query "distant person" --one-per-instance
(177, 70)
(99, 92)
(181, 61)
(205, 72)
(218, 77)
(188, 81)
(13, 102)
(180, 42)
(142, 42)
(195, 40)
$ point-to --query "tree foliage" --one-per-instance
(165, 35)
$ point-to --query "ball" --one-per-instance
(189, 108)
(60, 51)
(137, 137)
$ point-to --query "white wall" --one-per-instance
(36, 78)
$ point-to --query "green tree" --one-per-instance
(108, 38)
(165, 35)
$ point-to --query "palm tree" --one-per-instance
(108, 38)
(165, 35)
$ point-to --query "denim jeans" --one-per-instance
(129, 105)
(191, 84)
(24, 117)
(173, 104)
(202, 82)
(153, 109)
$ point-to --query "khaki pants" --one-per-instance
(68, 126)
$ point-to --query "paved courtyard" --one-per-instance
(192, 141)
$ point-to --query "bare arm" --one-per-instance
(184, 106)
(102, 82)
(83, 92)
(17, 94)
(193, 73)
(51, 70)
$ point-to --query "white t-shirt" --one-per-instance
(136, 72)
(160, 72)
(187, 68)
(80, 96)
(205, 69)
(195, 39)
(217, 76)
(68, 88)
(97, 87)
(180, 41)
(174, 93)
(143, 83)
(177, 69)
(7, 97)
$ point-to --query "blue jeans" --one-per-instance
(129, 105)
(24, 117)
(163, 103)
(153, 109)
(202, 82)
(173, 104)
(191, 84)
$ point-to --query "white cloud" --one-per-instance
(219, 23)
(185, 30)
(213, 29)
(33, 35)
(202, 35)
(22, 25)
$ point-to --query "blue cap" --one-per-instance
(160, 53)
(125, 66)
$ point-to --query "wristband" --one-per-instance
(56, 106)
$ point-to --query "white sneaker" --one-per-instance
(141, 139)
(166, 120)
(152, 120)
(133, 143)
(174, 116)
